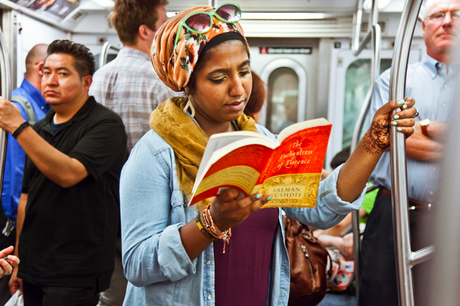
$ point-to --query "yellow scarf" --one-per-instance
(186, 137)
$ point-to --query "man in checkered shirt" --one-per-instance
(130, 87)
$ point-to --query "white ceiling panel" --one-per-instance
(324, 6)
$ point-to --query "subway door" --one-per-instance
(349, 83)
(287, 67)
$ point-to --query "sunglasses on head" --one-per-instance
(201, 22)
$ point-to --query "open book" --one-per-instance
(288, 169)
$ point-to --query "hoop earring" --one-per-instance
(192, 110)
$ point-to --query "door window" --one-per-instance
(357, 82)
(283, 97)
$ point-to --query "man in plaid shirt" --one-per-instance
(130, 87)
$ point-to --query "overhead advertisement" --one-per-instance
(57, 8)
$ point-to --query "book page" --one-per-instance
(301, 126)
(240, 168)
(218, 141)
(293, 175)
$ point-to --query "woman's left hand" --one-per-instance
(371, 147)
(377, 138)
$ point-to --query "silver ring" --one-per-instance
(416, 112)
(9, 273)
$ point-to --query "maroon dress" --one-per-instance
(242, 273)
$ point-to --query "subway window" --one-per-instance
(283, 85)
(357, 82)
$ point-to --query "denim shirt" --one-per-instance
(153, 208)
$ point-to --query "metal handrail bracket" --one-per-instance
(105, 51)
(398, 157)
(421, 255)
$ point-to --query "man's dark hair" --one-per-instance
(128, 15)
(84, 59)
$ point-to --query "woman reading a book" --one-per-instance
(222, 251)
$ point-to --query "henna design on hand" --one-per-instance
(377, 138)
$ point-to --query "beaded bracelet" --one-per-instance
(206, 224)
(202, 229)
(213, 229)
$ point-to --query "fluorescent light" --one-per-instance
(105, 3)
(381, 4)
(268, 16)
(286, 16)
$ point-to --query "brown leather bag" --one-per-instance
(308, 260)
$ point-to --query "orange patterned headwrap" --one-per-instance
(174, 67)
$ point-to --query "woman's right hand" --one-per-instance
(227, 212)
(7, 261)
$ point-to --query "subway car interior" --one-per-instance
(318, 58)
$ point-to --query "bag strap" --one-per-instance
(27, 107)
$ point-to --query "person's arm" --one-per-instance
(50, 161)
(57, 166)
(15, 282)
(437, 129)
(339, 229)
(356, 172)
(343, 244)
(154, 250)
(422, 147)
(324, 174)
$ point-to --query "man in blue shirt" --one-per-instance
(68, 212)
(431, 83)
(30, 90)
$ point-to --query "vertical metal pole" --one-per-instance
(375, 70)
(374, 34)
(6, 88)
(398, 154)
(13, 51)
(357, 20)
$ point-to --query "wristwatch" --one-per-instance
(424, 125)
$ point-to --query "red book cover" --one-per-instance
(289, 171)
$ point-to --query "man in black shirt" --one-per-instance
(68, 212)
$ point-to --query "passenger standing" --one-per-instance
(31, 103)
(67, 234)
(167, 258)
(431, 82)
(129, 86)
